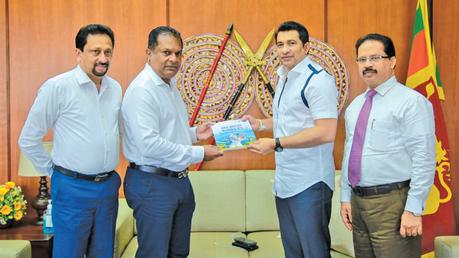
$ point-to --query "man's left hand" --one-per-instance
(204, 131)
(411, 225)
(262, 146)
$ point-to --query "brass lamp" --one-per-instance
(26, 168)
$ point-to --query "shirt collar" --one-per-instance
(81, 76)
(155, 77)
(384, 87)
(84, 79)
(299, 68)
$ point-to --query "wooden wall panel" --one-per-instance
(4, 157)
(349, 20)
(446, 40)
(42, 36)
(253, 20)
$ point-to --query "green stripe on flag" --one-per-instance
(437, 74)
(418, 22)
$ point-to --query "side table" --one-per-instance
(42, 244)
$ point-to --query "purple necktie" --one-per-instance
(355, 157)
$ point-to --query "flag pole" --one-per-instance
(430, 12)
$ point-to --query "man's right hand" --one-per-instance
(346, 214)
(211, 152)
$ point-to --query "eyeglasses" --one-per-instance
(372, 59)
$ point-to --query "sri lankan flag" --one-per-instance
(423, 76)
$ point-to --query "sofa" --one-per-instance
(229, 204)
(15, 249)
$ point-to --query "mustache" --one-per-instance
(103, 64)
(172, 66)
(369, 70)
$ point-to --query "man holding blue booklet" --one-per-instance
(304, 127)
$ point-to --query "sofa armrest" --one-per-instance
(124, 228)
(447, 246)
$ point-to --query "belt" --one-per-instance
(379, 189)
(95, 178)
(159, 171)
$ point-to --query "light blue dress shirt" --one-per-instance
(399, 142)
(84, 122)
(299, 168)
(156, 130)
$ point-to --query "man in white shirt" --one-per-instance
(158, 144)
(389, 157)
(82, 107)
(304, 125)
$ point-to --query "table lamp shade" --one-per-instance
(26, 168)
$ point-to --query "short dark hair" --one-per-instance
(389, 48)
(92, 29)
(153, 36)
(292, 25)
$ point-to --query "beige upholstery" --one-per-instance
(231, 202)
(215, 244)
(131, 248)
(262, 215)
(341, 238)
(124, 228)
(269, 243)
(261, 207)
(220, 200)
(447, 247)
(15, 249)
(228, 204)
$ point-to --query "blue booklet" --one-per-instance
(233, 134)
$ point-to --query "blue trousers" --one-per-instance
(163, 209)
(84, 216)
(303, 221)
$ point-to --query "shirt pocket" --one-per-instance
(384, 136)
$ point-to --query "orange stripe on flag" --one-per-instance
(419, 57)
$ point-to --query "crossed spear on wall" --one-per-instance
(253, 61)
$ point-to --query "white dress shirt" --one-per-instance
(156, 130)
(399, 142)
(84, 122)
(299, 168)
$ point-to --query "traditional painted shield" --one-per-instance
(198, 54)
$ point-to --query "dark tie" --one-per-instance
(355, 157)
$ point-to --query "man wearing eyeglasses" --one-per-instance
(389, 158)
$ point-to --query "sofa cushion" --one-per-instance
(15, 249)
(260, 206)
(124, 227)
(341, 238)
(220, 200)
(270, 246)
(131, 248)
(447, 246)
(215, 245)
(269, 243)
(336, 254)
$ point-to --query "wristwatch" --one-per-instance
(278, 147)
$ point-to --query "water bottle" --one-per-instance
(48, 220)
